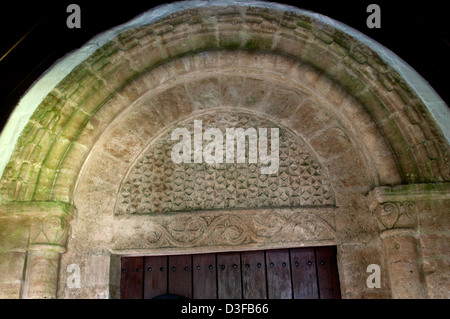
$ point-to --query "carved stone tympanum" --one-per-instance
(155, 184)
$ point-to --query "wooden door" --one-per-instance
(279, 284)
(304, 273)
(155, 276)
(299, 273)
(254, 284)
(229, 276)
(204, 276)
(131, 280)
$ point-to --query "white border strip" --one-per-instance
(61, 68)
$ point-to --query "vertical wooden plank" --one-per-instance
(327, 273)
(180, 275)
(304, 275)
(278, 274)
(229, 276)
(131, 280)
(253, 275)
(204, 276)
(155, 276)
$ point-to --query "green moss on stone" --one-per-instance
(374, 105)
(352, 83)
(230, 43)
(251, 100)
(204, 42)
(258, 43)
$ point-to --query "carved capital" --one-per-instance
(48, 222)
(396, 210)
(49, 233)
(392, 215)
(395, 207)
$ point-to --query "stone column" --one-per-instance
(397, 211)
(48, 237)
(42, 244)
(397, 222)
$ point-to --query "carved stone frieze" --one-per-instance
(230, 228)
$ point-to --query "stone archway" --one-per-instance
(365, 128)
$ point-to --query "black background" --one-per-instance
(418, 32)
(277, 308)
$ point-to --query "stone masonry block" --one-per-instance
(10, 290)
(254, 93)
(11, 266)
(282, 102)
(437, 281)
(56, 153)
(146, 57)
(13, 233)
(75, 123)
(311, 118)
(331, 142)
(231, 89)
(175, 102)
(204, 93)
(43, 187)
(118, 74)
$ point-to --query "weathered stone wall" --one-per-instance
(434, 245)
(364, 125)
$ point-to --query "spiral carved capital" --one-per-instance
(392, 215)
